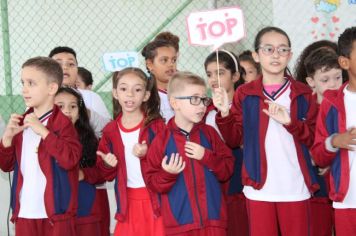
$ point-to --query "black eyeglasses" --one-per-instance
(196, 100)
(268, 50)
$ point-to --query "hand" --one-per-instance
(109, 159)
(278, 112)
(322, 171)
(32, 121)
(221, 101)
(345, 140)
(194, 150)
(12, 129)
(175, 164)
(81, 175)
(140, 150)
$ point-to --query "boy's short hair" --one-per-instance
(181, 79)
(48, 66)
(322, 59)
(63, 49)
(86, 76)
(345, 42)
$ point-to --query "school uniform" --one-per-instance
(337, 114)
(132, 195)
(51, 165)
(277, 168)
(165, 108)
(192, 202)
(237, 224)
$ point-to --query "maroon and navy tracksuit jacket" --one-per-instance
(247, 125)
(332, 120)
(58, 155)
(192, 199)
(111, 142)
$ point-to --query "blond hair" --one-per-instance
(181, 79)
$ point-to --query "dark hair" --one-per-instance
(151, 107)
(247, 56)
(63, 49)
(48, 66)
(267, 30)
(85, 75)
(321, 59)
(345, 42)
(85, 131)
(164, 39)
(300, 72)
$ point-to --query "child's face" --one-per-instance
(68, 105)
(324, 80)
(131, 92)
(250, 69)
(69, 66)
(226, 78)
(349, 63)
(273, 63)
(185, 112)
(80, 84)
(36, 89)
(163, 66)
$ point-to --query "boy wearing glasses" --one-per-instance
(187, 161)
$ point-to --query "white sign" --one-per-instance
(116, 61)
(215, 27)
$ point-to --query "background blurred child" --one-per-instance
(228, 74)
(84, 79)
(123, 148)
(250, 69)
(161, 62)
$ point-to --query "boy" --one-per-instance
(335, 138)
(43, 149)
(195, 160)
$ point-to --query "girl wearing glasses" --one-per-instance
(273, 118)
(122, 152)
(228, 73)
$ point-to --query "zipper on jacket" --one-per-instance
(186, 134)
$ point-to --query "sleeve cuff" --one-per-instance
(328, 144)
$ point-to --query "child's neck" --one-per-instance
(44, 108)
(352, 84)
(273, 79)
(230, 95)
(131, 119)
(183, 123)
(161, 86)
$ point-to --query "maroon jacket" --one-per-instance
(58, 154)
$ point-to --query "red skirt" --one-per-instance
(140, 219)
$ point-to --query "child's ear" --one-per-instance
(114, 94)
(147, 96)
(344, 62)
(149, 64)
(90, 86)
(53, 88)
(255, 56)
(173, 103)
(310, 82)
(235, 77)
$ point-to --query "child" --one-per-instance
(88, 215)
(124, 144)
(84, 79)
(300, 73)
(229, 74)
(187, 161)
(273, 118)
(42, 148)
(251, 69)
(161, 61)
(98, 114)
(323, 73)
(335, 138)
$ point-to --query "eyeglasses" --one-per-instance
(195, 100)
(268, 50)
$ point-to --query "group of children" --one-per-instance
(262, 159)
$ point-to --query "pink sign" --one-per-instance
(216, 27)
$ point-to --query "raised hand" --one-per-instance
(109, 159)
(221, 101)
(175, 164)
(277, 112)
(32, 121)
(12, 129)
(194, 150)
(345, 140)
(140, 149)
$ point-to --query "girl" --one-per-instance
(161, 61)
(89, 205)
(251, 69)
(84, 79)
(229, 74)
(122, 151)
(273, 117)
